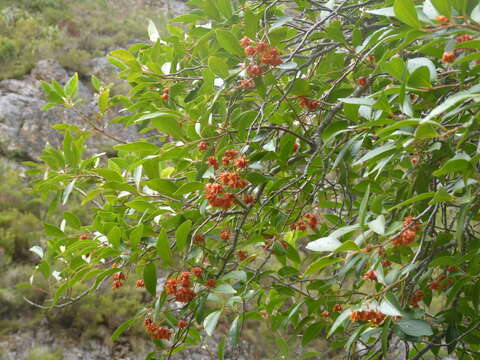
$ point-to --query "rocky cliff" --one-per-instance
(25, 129)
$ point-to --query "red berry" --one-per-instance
(202, 146)
(241, 163)
(225, 235)
(211, 283)
(182, 324)
(250, 51)
(245, 42)
(295, 147)
(199, 239)
(83, 237)
(197, 271)
(337, 308)
(442, 18)
(140, 283)
(325, 313)
(464, 38)
(165, 97)
(448, 57)
(362, 81)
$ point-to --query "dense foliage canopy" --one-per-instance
(311, 165)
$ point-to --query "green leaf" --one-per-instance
(225, 289)
(164, 122)
(210, 322)
(473, 44)
(234, 331)
(71, 87)
(121, 329)
(320, 264)
(52, 230)
(181, 234)
(163, 248)
(449, 102)
(311, 333)
(103, 99)
(405, 11)
(150, 278)
(189, 188)
(138, 146)
(37, 250)
(378, 225)
(415, 327)
(382, 150)
(114, 236)
(135, 236)
(72, 220)
(441, 195)
(300, 87)
(251, 24)
(390, 305)
(152, 31)
(412, 200)
(443, 7)
(347, 246)
(339, 321)
(425, 131)
(221, 349)
(229, 42)
(458, 163)
(386, 11)
(225, 8)
(218, 66)
(324, 244)
(68, 190)
(109, 175)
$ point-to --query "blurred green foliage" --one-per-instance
(71, 32)
(21, 215)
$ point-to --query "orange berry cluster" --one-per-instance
(416, 298)
(440, 283)
(165, 93)
(448, 57)
(83, 237)
(309, 104)
(197, 271)
(140, 283)
(371, 316)
(225, 235)
(242, 255)
(464, 38)
(180, 287)
(117, 279)
(215, 193)
(155, 330)
(407, 236)
(211, 283)
(442, 18)
(268, 244)
(266, 56)
(386, 263)
(370, 275)
(337, 308)
(311, 221)
(199, 239)
(232, 180)
(362, 81)
(202, 146)
(212, 194)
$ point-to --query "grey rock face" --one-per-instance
(25, 128)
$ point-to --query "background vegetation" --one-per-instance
(70, 31)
